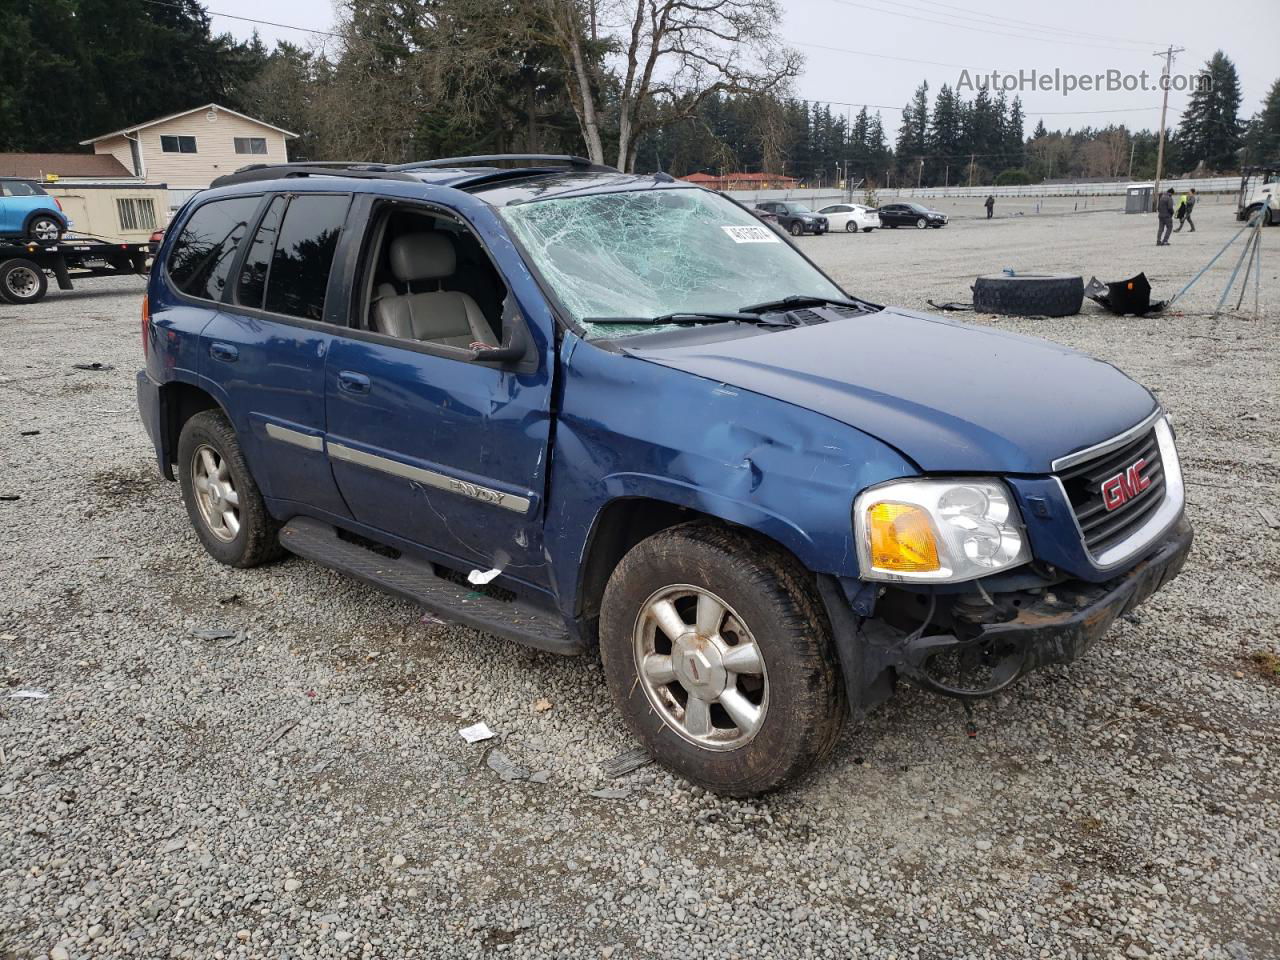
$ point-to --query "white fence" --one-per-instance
(1114, 188)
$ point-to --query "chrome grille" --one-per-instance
(1101, 527)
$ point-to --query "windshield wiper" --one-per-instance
(684, 316)
(799, 300)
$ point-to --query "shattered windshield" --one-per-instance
(651, 253)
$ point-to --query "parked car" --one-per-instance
(764, 500)
(894, 215)
(764, 216)
(27, 212)
(851, 217)
(795, 218)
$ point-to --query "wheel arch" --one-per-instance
(180, 401)
(43, 212)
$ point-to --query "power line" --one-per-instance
(1043, 27)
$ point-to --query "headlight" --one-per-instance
(938, 531)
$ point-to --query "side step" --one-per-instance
(417, 581)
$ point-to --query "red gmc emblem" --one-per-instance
(1125, 485)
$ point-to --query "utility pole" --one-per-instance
(971, 157)
(1165, 74)
(946, 176)
(920, 173)
(1133, 145)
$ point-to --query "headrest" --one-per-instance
(422, 256)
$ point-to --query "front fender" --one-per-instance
(630, 428)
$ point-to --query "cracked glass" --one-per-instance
(649, 253)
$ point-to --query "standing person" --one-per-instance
(1164, 210)
(1190, 204)
(990, 204)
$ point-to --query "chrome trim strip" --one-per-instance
(1106, 446)
(296, 437)
(1164, 517)
(437, 481)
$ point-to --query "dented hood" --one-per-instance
(950, 396)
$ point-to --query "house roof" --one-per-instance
(35, 166)
(699, 178)
(182, 113)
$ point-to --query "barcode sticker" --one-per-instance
(751, 234)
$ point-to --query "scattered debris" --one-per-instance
(542, 705)
(505, 767)
(476, 732)
(432, 619)
(625, 762)
(95, 365)
(229, 598)
(612, 793)
(542, 776)
(950, 305)
(9, 497)
(241, 636)
(1124, 296)
(8, 637)
(1270, 518)
(279, 732)
(28, 433)
(481, 578)
(28, 695)
(215, 633)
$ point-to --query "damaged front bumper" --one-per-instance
(978, 649)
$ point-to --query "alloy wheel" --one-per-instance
(215, 492)
(700, 667)
(45, 229)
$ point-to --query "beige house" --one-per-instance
(189, 150)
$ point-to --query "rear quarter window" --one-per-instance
(205, 249)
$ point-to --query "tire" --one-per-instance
(796, 696)
(867, 229)
(921, 223)
(893, 226)
(44, 228)
(22, 282)
(851, 227)
(796, 229)
(1028, 295)
(207, 448)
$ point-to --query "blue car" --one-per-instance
(27, 212)
(587, 410)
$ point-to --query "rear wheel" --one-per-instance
(719, 657)
(44, 228)
(222, 500)
(22, 282)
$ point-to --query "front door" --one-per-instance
(426, 446)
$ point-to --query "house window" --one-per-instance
(171, 144)
(136, 213)
(251, 145)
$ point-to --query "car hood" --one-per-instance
(948, 395)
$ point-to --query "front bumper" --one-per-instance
(1055, 625)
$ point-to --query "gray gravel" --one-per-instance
(299, 788)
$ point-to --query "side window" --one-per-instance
(16, 188)
(257, 262)
(250, 144)
(201, 258)
(172, 144)
(299, 270)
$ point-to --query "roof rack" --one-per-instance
(556, 159)
(280, 171)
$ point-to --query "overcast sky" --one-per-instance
(946, 37)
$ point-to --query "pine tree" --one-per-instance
(1040, 130)
(913, 135)
(1210, 131)
(1014, 146)
(945, 134)
(1263, 137)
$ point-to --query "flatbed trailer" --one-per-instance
(26, 265)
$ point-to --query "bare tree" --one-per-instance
(663, 59)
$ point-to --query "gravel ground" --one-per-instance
(299, 788)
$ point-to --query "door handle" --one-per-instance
(224, 352)
(353, 382)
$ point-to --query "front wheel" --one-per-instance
(796, 229)
(223, 501)
(719, 657)
(22, 282)
(921, 223)
(851, 227)
(44, 229)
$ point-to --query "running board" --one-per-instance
(416, 580)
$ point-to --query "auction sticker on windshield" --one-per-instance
(751, 234)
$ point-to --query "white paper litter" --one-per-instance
(28, 695)
(481, 578)
(476, 732)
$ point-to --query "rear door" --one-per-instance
(427, 446)
(265, 350)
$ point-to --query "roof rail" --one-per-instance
(280, 171)
(557, 159)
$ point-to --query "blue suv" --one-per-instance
(26, 211)
(584, 409)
